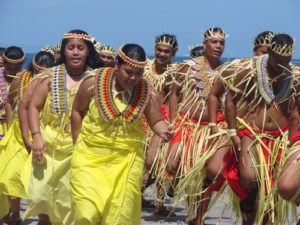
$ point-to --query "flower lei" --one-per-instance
(260, 66)
(107, 107)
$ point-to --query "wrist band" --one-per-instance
(232, 132)
(34, 133)
(212, 124)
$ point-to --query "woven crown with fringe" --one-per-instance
(263, 39)
(214, 33)
(195, 46)
(57, 47)
(97, 44)
(283, 50)
(47, 48)
(166, 41)
(108, 50)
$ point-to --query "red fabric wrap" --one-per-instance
(231, 168)
(165, 112)
(187, 138)
(295, 137)
(178, 135)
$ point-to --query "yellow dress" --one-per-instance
(106, 172)
(108, 160)
(13, 156)
(49, 187)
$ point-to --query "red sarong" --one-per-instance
(295, 137)
(165, 112)
(185, 133)
(178, 135)
(231, 169)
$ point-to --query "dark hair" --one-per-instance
(1, 50)
(263, 37)
(14, 52)
(133, 51)
(197, 51)
(169, 38)
(42, 58)
(92, 59)
(283, 39)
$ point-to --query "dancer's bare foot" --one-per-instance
(44, 220)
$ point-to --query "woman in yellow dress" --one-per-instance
(13, 58)
(49, 121)
(108, 159)
(14, 152)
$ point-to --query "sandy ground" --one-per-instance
(148, 217)
(215, 216)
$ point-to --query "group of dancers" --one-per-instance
(86, 129)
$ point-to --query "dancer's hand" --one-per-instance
(167, 135)
(39, 148)
(214, 130)
(236, 141)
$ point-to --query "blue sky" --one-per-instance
(33, 23)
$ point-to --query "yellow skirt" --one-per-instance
(4, 206)
(12, 158)
(106, 186)
(48, 191)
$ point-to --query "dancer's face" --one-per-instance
(107, 59)
(163, 54)
(261, 50)
(76, 53)
(128, 76)
(278, 62)
(214, 47)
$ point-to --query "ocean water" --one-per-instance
(29, 56)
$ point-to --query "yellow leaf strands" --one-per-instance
(159, 80)
(13, 61)
(285, 50)
(78, 36)
(131, 62)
